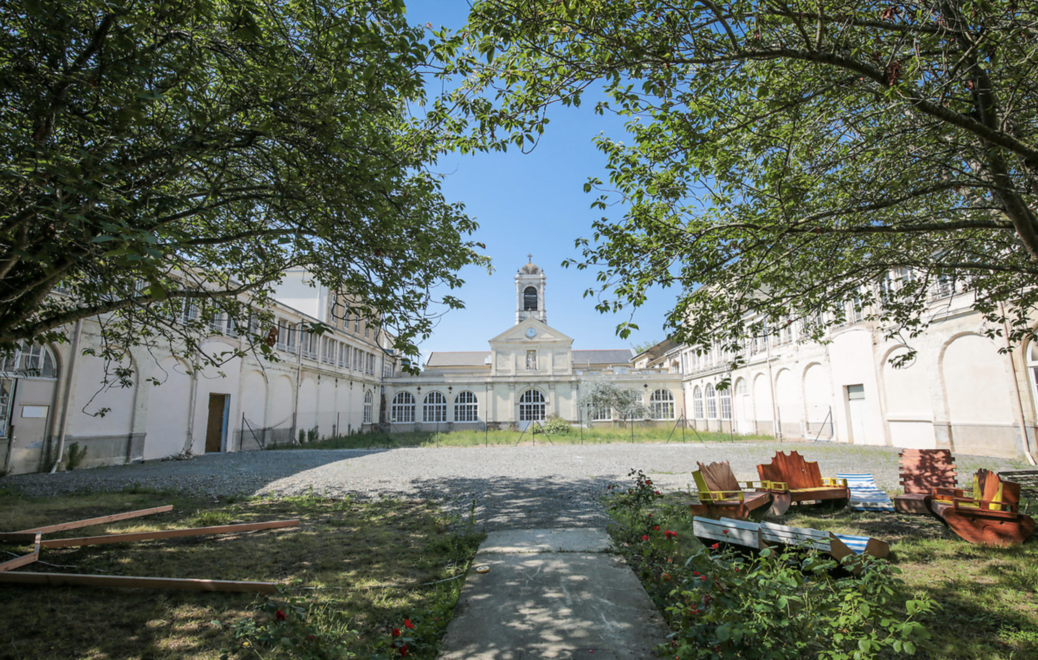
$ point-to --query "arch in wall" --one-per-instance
(908, 402)
(254, 410)
(434, 408)
(977, 392)
(168, 409)
(818, 411)
(531, 406)
(466, 407)
(530, 299)
(661, 404)
(789, 402)
(402, 410)
(710, 397)
(350, 414)
(369, 403)
(697, 403)
(326, 411)
(306, 416)
(762, 402)
(92, 395)
(742, 406)
(282, 401)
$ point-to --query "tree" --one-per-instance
(604, 395)
(158, 154)
(787, 160)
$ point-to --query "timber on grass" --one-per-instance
(130, 582)
(990, 515)
(100, 520)
(922, 470)
(721, 494)
(168, 533)
(791, 479)
(18, 562)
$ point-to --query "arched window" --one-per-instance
(466, 408)
(531, 406)
(711, 402)
(530, 299)
(29, 361)
(434, 409)
(697, 402)
(367, 407)
(402, 409)
(726, 403)
(661, 403)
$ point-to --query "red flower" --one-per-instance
(715, 546)
(658, 492)
(645, 537)
(670, 535)
(396, 632)
(703, 578)
(648, 482)
(724, 531)
(737, 570)
(666, 577)
(695, 573)
(408, 624)
(657, 528)
(403, 651)
(280, 616)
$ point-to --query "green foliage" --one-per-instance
(777, 605)
(784, 162)
(554, 425)
(285, 628)
(165, 163)
(74, 456)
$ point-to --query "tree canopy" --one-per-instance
(784, 159)
(157, 153)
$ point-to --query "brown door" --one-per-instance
(215, 428)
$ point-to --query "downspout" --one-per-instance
(1019, 407)
(299, 381)
(67, 396)
(776, 425)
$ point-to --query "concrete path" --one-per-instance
(552, 594)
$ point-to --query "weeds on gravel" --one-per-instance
(379, 440)
(351, 573)
(987, 598)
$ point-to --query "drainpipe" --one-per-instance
(299, 381)
(1019, 407)
(776, 424)
(67, 394)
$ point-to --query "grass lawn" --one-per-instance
(987, 598)
(358, 569)
(509, 438)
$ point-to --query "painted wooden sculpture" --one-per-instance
(721, 494)
(991, 516)
(922, 470)
(792, 479)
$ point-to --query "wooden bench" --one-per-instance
(990, 515)
(1028, 480)
(922, 470)
(792, 479)
(721, 494)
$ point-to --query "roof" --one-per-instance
(602, 356)
(530, 269)
(457, 359)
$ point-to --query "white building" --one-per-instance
(958, 392)
(326, 384)
(530, 373)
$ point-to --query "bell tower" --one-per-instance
(529, 293)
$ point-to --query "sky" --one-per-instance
(532, 204)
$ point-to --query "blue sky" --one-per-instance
(532, 203)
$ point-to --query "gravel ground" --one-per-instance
(507, 487)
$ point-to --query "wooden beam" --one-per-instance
(57, 579)
(99, 520)
(17, 537)
(168, 533)
(24, 559)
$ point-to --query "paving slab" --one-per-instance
(546, 540)
(543, 604)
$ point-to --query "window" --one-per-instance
(388, 368)
(530, 299)
(371, 364)
(231, 329)
(601, 413)
(190, 312)
(857, 313)
(531, 406)
(434, 409)
(217, 322)
(367, 330)
(466, 408)
(356, 325)
(29, 360)
(661, 405)
(367, 407)
(326, 356)
(402, 409)
(711, 402)
(344, 356)
(357, 356)
(944, 287)
(697, 402)
(726, 403)
(531, 359)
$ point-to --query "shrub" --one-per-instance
(74, 456)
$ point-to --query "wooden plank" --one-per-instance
(87, 522)
(18, 562)
(812, 538)
(726, 530)
(719, 476)
(17, 537)
(58, 579)
(169, 533)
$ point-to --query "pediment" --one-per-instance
(542, 333)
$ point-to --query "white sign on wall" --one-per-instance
(35, 411)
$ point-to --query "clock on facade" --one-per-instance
(531, 333)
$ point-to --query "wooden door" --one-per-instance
(216, 428)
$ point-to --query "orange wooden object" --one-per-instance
(18, 562)
(993, 519)
(922, 470)
(794, 479)
(129, 582)
(724, 496)
(168, 533)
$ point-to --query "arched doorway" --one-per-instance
(531, 408)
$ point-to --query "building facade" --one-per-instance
(322, 384)
(530, 374)
(963, 390)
